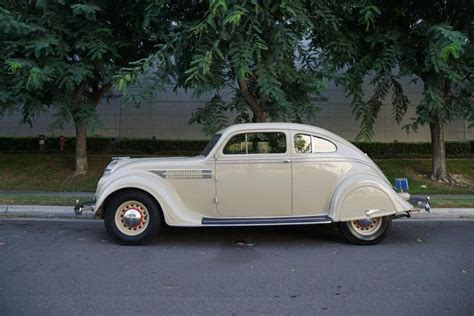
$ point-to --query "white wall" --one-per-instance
(167, 117)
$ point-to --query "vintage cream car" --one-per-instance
(253, 174)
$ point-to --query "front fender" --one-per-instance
(360, 193)
(174, 211)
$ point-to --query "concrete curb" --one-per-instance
(49, 211)
(41, 211)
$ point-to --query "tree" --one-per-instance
(257, 48)
(63, 54)
(431, 41)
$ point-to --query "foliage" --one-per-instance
(105, 145)
(390, 40)
(259, 50)
(63, 54)
(55, 52)
(412, 150)
(194, 147)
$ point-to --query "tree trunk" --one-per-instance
(259, 116)
(81, 124)
(81, 147)
(259, 113)
(438, 172)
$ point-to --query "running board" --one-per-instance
(266, 221)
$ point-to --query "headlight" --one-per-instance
(110, 168)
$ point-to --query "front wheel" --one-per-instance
(132, 217)
(366, 231)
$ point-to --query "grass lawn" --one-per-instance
(54, 172)
(416, 170)
(455, 203)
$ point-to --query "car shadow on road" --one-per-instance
(308, 235)
(250, 236)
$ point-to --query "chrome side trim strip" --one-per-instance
(266, 221)
(183, 173)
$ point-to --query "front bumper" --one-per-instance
(85, 206)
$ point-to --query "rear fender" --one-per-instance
(364, 195)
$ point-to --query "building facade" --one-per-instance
(167, 116)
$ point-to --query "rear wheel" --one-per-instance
(132, 217)
(368, 231)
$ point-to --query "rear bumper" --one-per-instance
(420, 202)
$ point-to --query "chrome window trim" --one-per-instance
(295, 133)
(247, 155)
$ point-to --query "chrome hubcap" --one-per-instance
(132, 217)
(367, 226)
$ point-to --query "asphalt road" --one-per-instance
(70, 267)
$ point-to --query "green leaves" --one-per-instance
(89, 11)
(42, 46)
(235, 16)
(213, 116)
(38, 77)
(14, 65)
(65, 53)
(445, 45)
(250, 45)
(368, 14)
(217, 5)
(200, 68)
(388, 42)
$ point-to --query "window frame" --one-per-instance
(247, 154)
(296, 133)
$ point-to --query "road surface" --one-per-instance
(71, 267)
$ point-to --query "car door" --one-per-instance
(316, 172)
(253, 172)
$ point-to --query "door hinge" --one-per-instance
(216, 200)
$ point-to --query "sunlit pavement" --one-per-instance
(71, 267)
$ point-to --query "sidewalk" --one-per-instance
(41, 211)
(36, 211)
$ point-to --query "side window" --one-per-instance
(311, 144)
(266, 143)
(235, 146)
(322, 146)
(303, 143)
(256, 143)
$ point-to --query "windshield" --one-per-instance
(210, 145)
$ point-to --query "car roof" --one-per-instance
(294, 127)
(282, 126)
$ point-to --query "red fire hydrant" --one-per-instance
(62, 141)
(42, 142)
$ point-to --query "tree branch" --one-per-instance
(249, 98)
(97, 94)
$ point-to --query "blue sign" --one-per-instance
(401, 184)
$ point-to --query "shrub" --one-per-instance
(413, 150)
(192, 147)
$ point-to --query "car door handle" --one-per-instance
(287, 160)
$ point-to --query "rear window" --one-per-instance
(305, 143)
